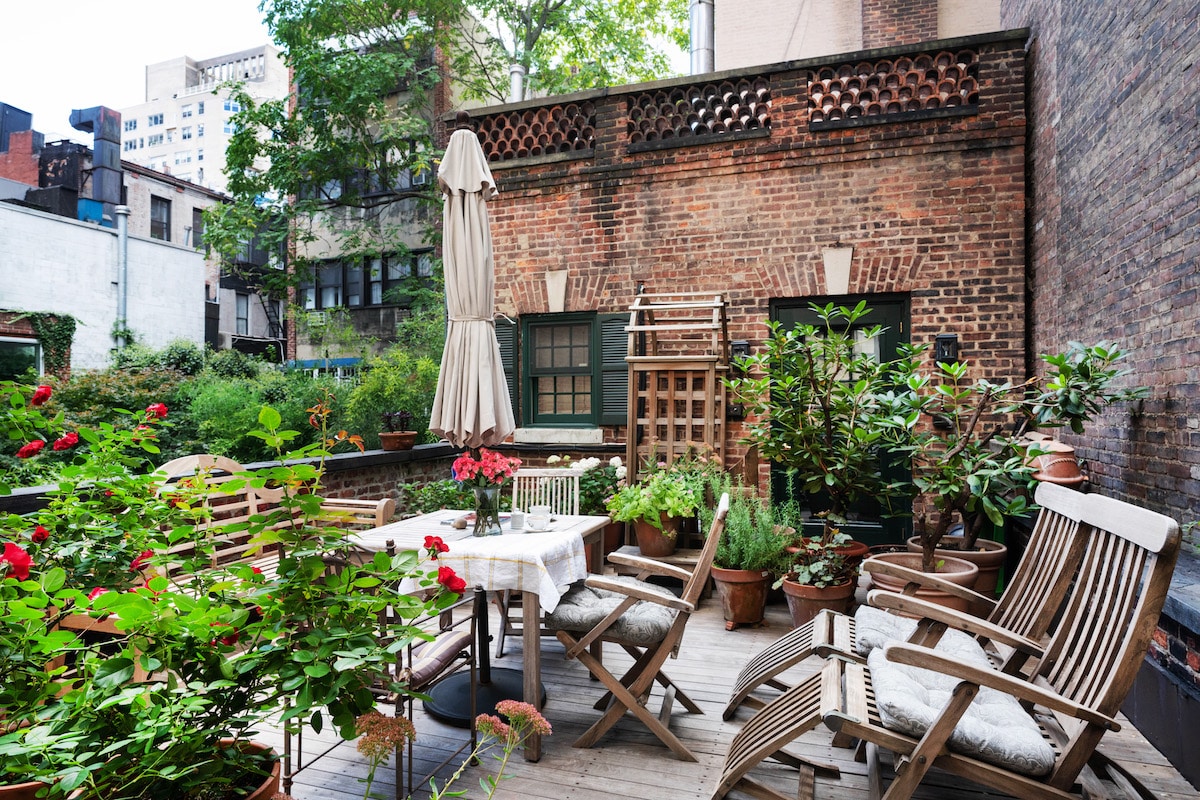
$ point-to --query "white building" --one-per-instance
(184, 125)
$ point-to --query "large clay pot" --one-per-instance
(270, 785)
(20, 791)
(952, 569)
(805, 601)
(655, 543)
(743, 595)
(989, 556)
(853, 552)
(1057, 465)
(397, 440)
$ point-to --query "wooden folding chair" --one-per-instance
(648, 622)
(1015, 622)
(1050, 723)
(557, 488)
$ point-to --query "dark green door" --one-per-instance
(891, 311)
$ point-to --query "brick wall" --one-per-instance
(933, 205)
(20, 163)
(891, 22)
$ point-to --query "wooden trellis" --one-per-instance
(678, 353)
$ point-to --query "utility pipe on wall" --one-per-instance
(702, 36)
(516, 83)
(122, 213)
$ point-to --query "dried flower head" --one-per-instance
(381, 735)
(524, 716)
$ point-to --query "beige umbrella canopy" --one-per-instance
(471, 407)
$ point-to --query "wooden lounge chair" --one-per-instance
(1021, 616)
(1031, 737)
(648, 622)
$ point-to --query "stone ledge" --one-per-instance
(559, 436)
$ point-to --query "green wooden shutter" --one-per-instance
(614, 373)
(506, 336)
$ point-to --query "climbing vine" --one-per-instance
(55, 332)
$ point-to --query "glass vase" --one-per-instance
(487, 511)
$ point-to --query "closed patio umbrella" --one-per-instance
(472, 406)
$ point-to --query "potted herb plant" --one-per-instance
(164, 707)
(395, 434)
(655, 506)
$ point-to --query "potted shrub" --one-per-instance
(819, 576)
(655, 507)
(969, 464)
(748, 555)
(164, 707)
(813, 395)
(395, 434)
(598, 481)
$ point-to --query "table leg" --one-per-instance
(531, 620)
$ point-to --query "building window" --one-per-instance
(185, 111)
(154, 139)
(573, 369)
(200, 154)
(198, 228)
(185, 132)
(243, 315)
(379, 281)
(200, 108)
(129, 144)
(171, 135)
(229, 128)
(154, 119)
(232, 106)
(183, 157)
(18, 356)
(130, 125)
(160, 218)
(199, 131)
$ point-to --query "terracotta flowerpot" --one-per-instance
(20, 791)
(952, 569)
(270, 785)
(854, 552)
(655, 543)
(743, 595)
(805, 601)
(397, 440)
(613, 536)
(989, 556)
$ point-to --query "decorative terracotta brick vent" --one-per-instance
(699, 111)
(564, 128)
(886, 87)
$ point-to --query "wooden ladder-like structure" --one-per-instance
(678, 353)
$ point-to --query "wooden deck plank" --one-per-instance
(629, 762)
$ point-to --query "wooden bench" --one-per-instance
(227, 512)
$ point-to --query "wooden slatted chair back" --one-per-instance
(695, 584)
(554, 487)
(1037, 588)
(1112, 609)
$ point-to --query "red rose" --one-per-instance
(452, 582)
(435, 545)
(229, 640)
(31, 449)
(67, 441)
(18, 561)
(157, 410)
(40, 534)
(96, 592)
(140, 561)
(40, 395)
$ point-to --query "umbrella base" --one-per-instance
(450, 700)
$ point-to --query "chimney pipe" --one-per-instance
(122, 213)
(702, 36)
(516, 85)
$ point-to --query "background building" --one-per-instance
(183, 126)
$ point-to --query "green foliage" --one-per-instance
(564, 46)
(422, 498)
(666, 491)
(233, 364)
(755, 531)
(423, 332)
(180, 356)
(55, 332)
(394, 381)
(814, 396)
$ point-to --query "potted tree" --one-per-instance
(655, 506)
(968, 463)
(395, 434)
(749, 554)
(813, 393)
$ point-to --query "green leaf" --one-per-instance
(114, 672)
(269, 418)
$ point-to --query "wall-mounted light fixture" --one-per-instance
(739, 349)
(945, 348)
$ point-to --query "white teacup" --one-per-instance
(538, 518)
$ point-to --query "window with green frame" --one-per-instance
(571, 369)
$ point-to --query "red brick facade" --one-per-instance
(20, 163)
(933, 203)
(887, 23)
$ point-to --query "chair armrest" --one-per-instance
(915, 606)
(600, 582)
(926, 580)
(650, 565)
(379, 512)
(925, 658)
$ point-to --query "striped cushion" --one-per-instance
(431, 659)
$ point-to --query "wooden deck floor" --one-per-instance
(630, 763)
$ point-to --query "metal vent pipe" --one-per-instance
(516, 83)
(702, 36)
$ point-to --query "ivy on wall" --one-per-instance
(54, 332)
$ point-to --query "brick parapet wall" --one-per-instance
(933, 205)
(891, 22)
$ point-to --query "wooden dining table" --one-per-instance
(541, 565)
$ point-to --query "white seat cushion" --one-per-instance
(994, 728)
(582, 608)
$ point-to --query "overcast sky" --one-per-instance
(65, 54)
